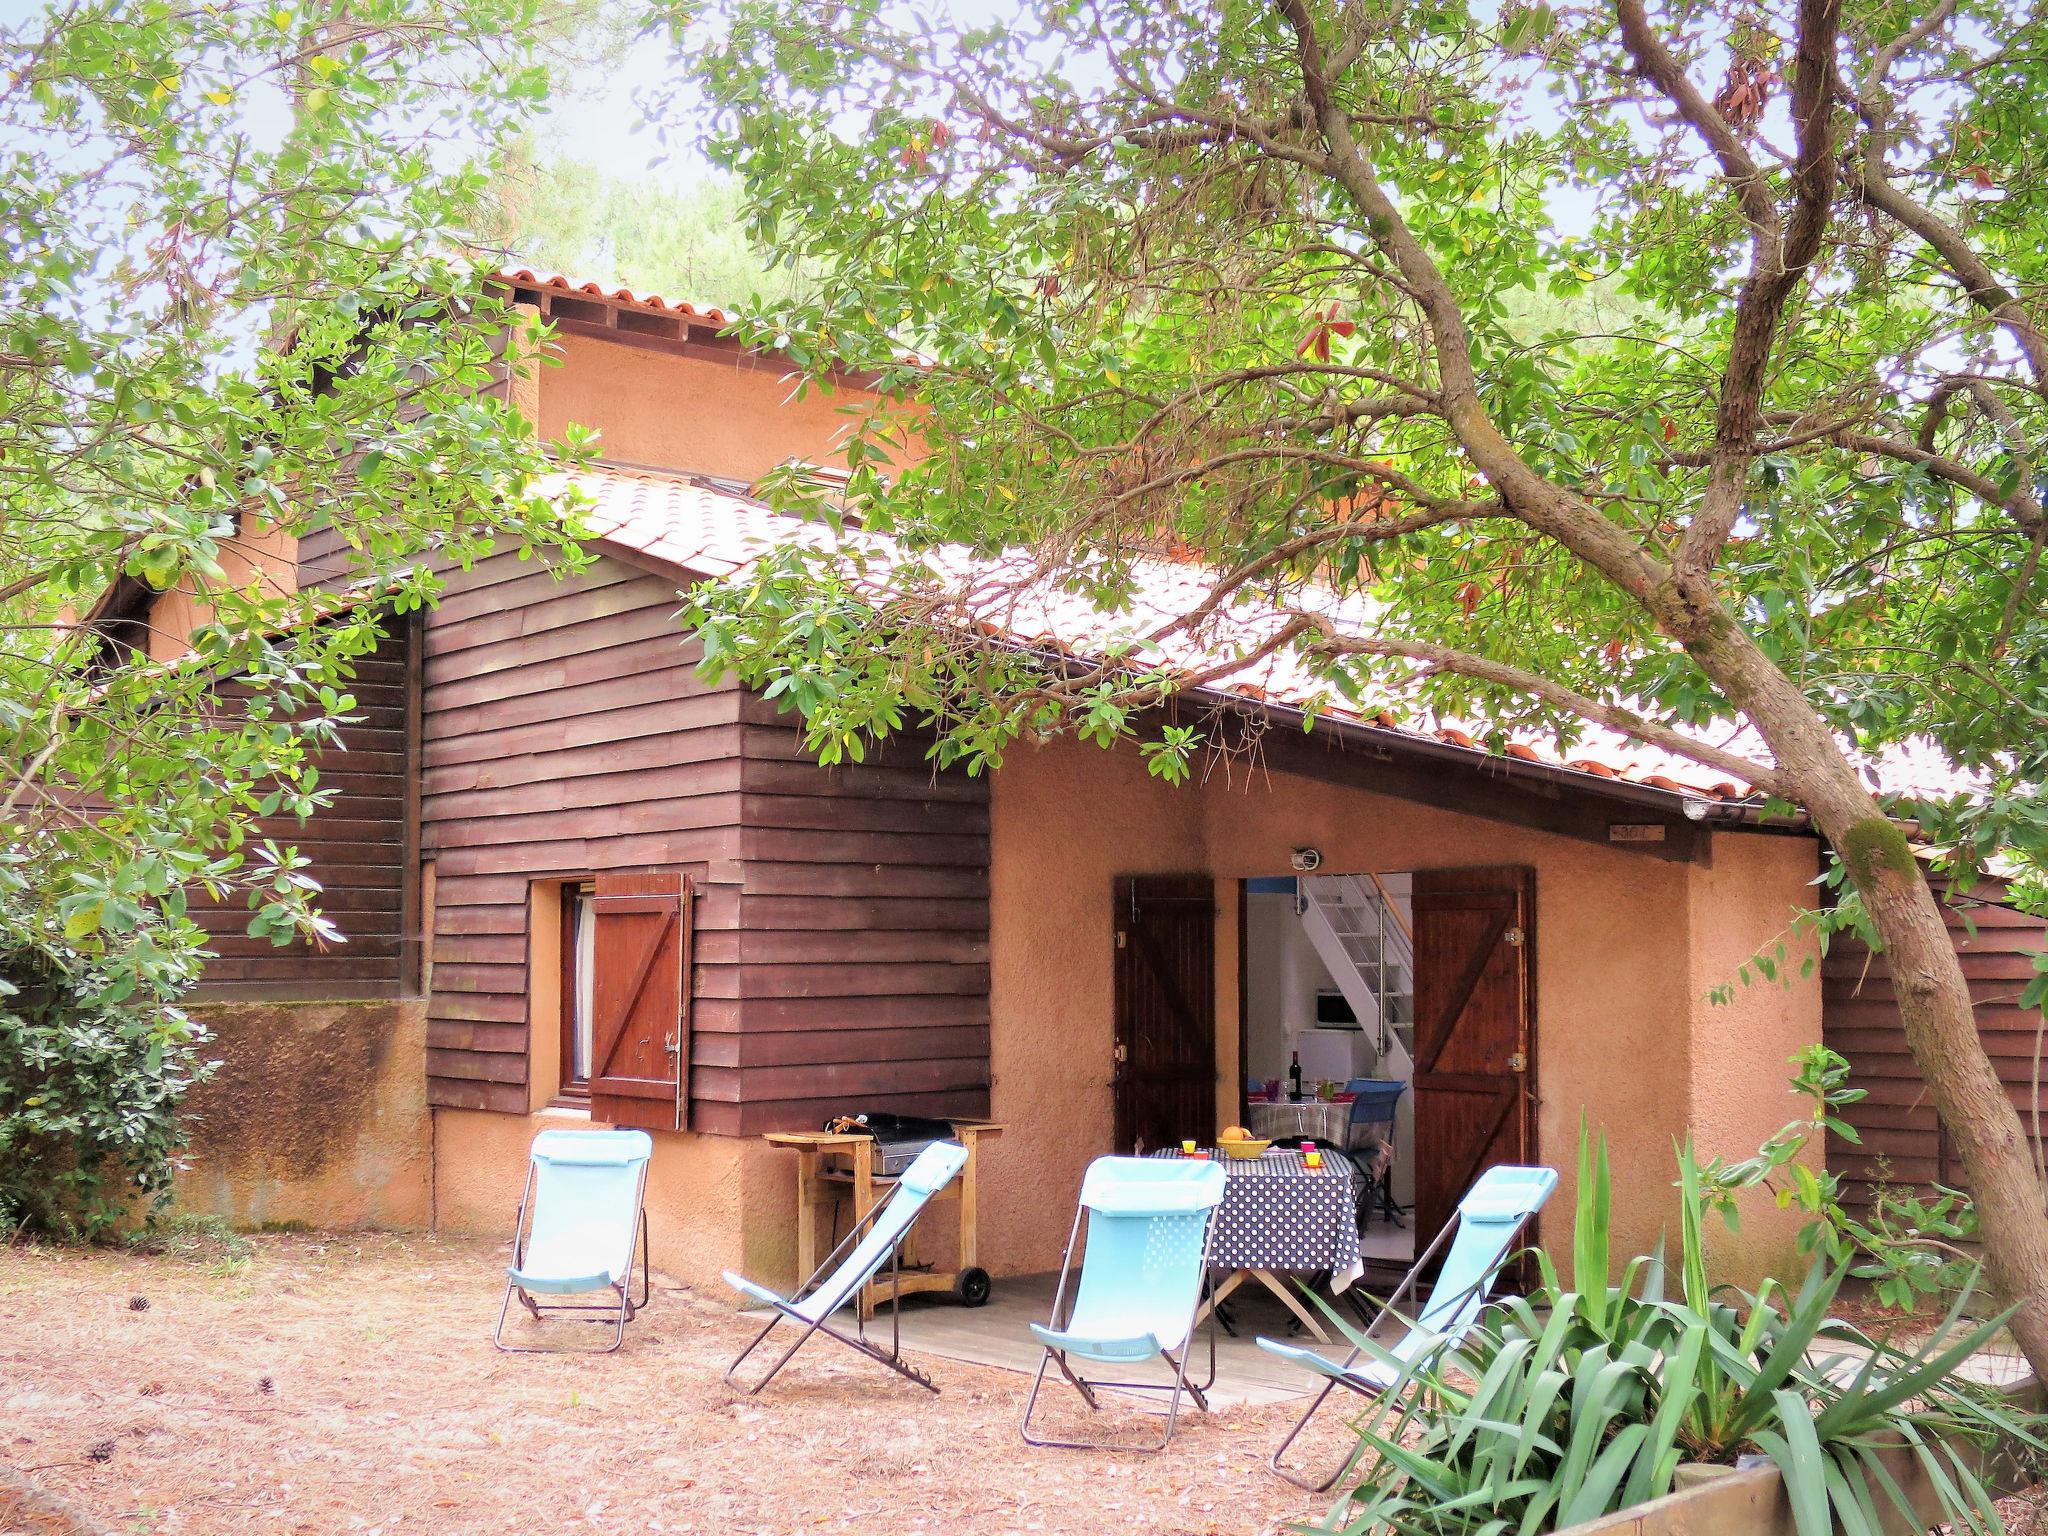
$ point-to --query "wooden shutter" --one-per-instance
(1474, 1040)
(1165, 1077)
(640, 1000)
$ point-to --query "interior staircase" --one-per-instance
(1364, 942)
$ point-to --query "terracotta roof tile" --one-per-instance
(701, 529)
(617, 293)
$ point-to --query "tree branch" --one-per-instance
(1780, 256)
(1546, 507)
(1868, 181)
(1331, 642)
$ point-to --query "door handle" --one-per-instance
(1121, 1053)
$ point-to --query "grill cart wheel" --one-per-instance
(972, 1286)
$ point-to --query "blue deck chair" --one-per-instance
(1487, 1221)
(875, 1240)
(582, 1214)
(1149, 1222)
(1374, 1102)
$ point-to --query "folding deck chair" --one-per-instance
(1487, 1221)
(580, 1217)
(875, 1239)
(1149, 1223)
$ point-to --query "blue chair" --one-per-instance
(1486, 1224)
(1149, 1222)
(581, 1215)
(1373, 1103)
(875, 1239)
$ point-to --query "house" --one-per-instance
(580, 881)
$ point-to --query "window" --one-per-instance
(579, 940)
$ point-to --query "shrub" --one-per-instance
(95, 1058)
(1571, 1403)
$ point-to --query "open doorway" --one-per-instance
(1406, 1001)
(1329, 1013)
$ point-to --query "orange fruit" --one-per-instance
(1235, 1133)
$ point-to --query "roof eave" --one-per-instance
(1692, 806)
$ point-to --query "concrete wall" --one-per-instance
(713, 1202)
(1626, 948)
(317, 1115)
(1742, 905)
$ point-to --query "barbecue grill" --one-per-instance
(856, 1155)
(897, 1138)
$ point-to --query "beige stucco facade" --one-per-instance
(1628, 949)
(259, 557)
(699, 415)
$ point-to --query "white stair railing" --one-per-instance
(1365, 944)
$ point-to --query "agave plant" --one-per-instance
(1570, 1403)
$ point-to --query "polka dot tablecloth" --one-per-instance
(1279, 1215)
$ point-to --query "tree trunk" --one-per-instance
(1927, 976)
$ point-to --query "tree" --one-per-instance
(1253, 282)
(235, 309)
(688, 242)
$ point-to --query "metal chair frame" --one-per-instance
(1363, 1389)
(618, 1315)
(1087, 1386)
(785, 1310)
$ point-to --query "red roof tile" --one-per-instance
(612, 293)
(697, 529)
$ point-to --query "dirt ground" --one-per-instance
(330, 1384)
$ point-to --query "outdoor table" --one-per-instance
(1327, 1123)
(1279, 1215)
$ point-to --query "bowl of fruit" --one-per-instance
(1235, 1141)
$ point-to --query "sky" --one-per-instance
(600, 124)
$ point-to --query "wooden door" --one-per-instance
(1165, 1048)
(640, 1000)
(1475, 1064)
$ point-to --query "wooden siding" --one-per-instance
(565, 732)
(358, 853)
(860, 948)
(841, 950)
(325, 559)
(1902, 1141)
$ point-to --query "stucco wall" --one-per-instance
(1626, 947)
(713, 1202)
(262, 557)
(1743, 905)
(318, 1114)
(672, 412)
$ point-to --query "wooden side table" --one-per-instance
(817, 1185)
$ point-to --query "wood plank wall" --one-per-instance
(357, 849)
(860, 950)
(842, 921)
(1902, 1141)
(565, 732)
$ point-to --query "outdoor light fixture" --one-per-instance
(1306, 861)
(1695, 809)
